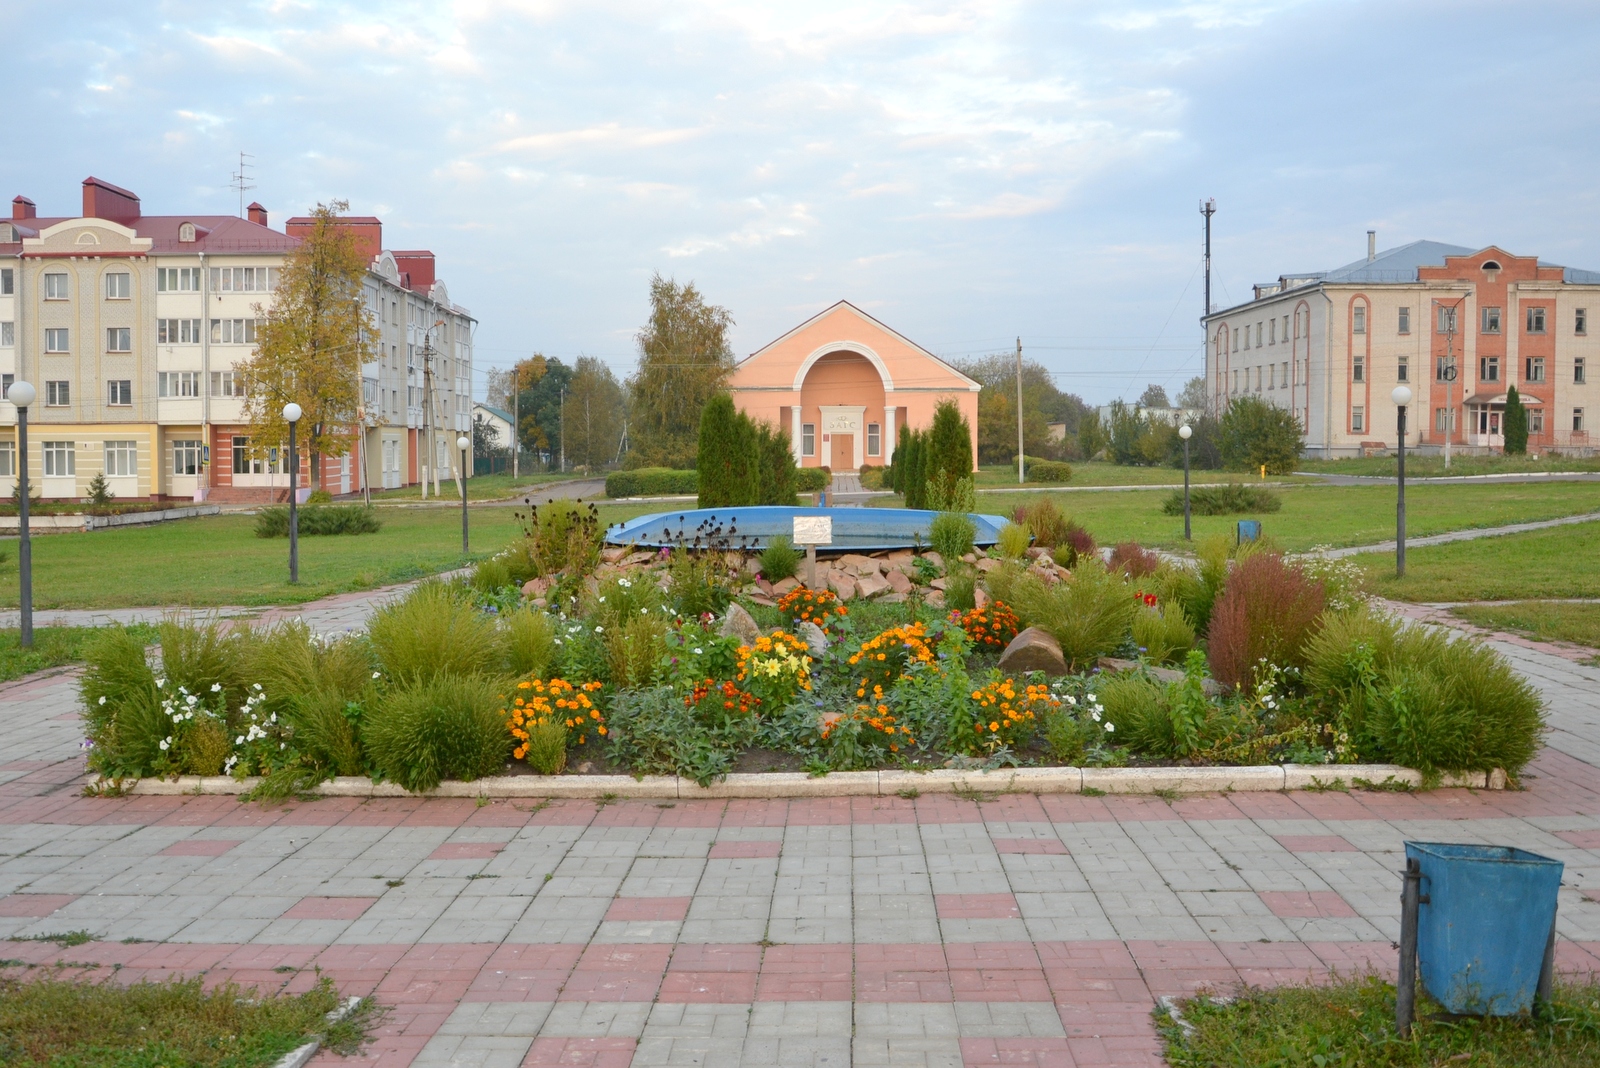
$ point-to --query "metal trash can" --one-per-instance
(1247, 530)
(1485, 925)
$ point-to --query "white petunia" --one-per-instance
(599, 630)
(161, 682)
(377, 674)
(164, 742)
(1111, 727)
(216, 687)
(102, 699)
(697, 650)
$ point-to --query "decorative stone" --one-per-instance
(763, 600)
(988, 564)
(901, 556)
(536, 587)
(934, 558)
(980, 597)
(1035, 551)
(898, 581)
(741, 625)
(892, 598)
(814, 637)
(613, 555)
(935, 598)
(1033, 650)
(872, 585)
(842, 584)
(783, 586)
(939, 583)
(643, 556)
(861, 565)
(1161, 674)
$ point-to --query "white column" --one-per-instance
(890, 433)
(794, 433)
(860, 443)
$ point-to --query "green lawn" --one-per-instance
(1315, 514)
(1431, 466)
(1096, 473)
(1559, 562)
(52, 647)
(479, 488)
(218, 560)
(1576, 623)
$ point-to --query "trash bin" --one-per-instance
(1248, 530)
(1483, 925)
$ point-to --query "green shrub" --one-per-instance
(122, 709)
(434, 630)
(872, 476)
(320, 496)
(558, 537)
(326, 730)
(318, 519)
(1514, 423)
(547, 746)
(951, 535)
(1268, 611)
(1066, 737)
(948, 458)
(1133, 560)
(621, 597)
(439, 727)
(1164, 634)
(290, 661)
(1012, 543)
(780, 559)
(1089, 616)
(199, 654)
(652, 482)
(635, 648)
(910, 467)
(1048, 471)
(698, 582)
(1137, 705)
(812, 479)
(729, 460)
(529, 638)
(1235, 498)
(1045, 522)
(952, 494)
(491, 576)
(960, 591)
(1257, 433)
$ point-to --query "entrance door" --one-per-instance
(844, 452)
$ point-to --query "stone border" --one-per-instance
(1202, 780)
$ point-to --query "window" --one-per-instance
(177, 331)
(1447, 319)
(1402, 369)
(1358, 371)
(118, 285)
(1360, 320)
(119, 339)
(808, 439)
(1442, 366)
(244, 279)
(119, 392)
(1536, 420)
(8, 334)
(186, 457)
(1491, 320)
(7, 282)
(6, 382)
(8, 459)
(223, 384)
(178, 280)
(1578, 368)
(1405, 321)
(1580, 321)
(1272, 331)
(57, 394)
(1285, 374)
(122, 459)
(1533, 369)
(186, 232)
(874, 440)
(178, 384)
(56, 287)
(275, 462)
(55, 339)
(1258, 335)
(1236, 381)
(233, 331)
(1535, 320)
(59, 460)
(1258, 377)
(1577, 420)
(1358, 419)
(1440, 415)
(1488, 368)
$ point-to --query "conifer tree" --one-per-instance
(948, 457)
(728, 460)
(1516, 424)
(778, 474)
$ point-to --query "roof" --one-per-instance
(213, 233)
(498, 413)
(880, 324)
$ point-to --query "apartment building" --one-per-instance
(131, 327)
(1457, 326)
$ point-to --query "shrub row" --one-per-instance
(652, 482)
(315, 519)
(1235, 498)
(1048, 470)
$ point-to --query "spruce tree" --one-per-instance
(911, 478)
(948, 458)
(723, 459)
(778, 474)
(1516, 424)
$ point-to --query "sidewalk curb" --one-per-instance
(1269, 778)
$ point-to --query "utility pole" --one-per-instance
(1208, 208)
(563, 430)
(516, 417)
(432, 460)
(1021, 461)
(1449, 374)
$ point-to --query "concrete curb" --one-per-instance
(775, 785)
(297, 1057)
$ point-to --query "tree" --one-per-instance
(1516, 424)
(538, 407)
(1042, 404)
(1195, 396)
(594, 414)
(1154, 396)
(948, 459)
(778, 474)
(310, 346)
(728, 458)
(1255, 433)
(1091, 436)
(909, 467)
(486, 443)
(1126, 427)
(684, 361)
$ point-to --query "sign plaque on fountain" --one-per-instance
(812, 531)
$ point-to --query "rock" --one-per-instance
(980, 596)
(763, 600)
(1035, 551)
(1033, 650)
(783, 586)
(938, 583)
(935, 598)
(739, 624)
(539, 602)
(764, 586)
(1044, 574)
(842, 584)
(643, 556)
(898, 581)
(1160, 674)
(613, 555)
(872, 585)
(969, 558)
(752, 565)
(861, 565)
(902, 556)
(934, 558)
(536, 587)
(988, 564)
(813, 636)
(892, 598)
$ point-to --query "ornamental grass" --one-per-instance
(440, 727)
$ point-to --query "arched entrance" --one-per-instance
(842, 420)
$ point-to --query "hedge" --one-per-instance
(1048, 470)
(812, 479)
(652, 482)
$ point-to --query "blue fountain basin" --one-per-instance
(854, 529)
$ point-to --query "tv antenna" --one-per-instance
(240, 179)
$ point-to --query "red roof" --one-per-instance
(216, 234)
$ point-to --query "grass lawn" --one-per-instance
(1576, 623)
(1317, 514)
(1433, 466)
(1350, 1023)
(218, 560)
(479, 488)
(52, 647)
(1097, 473)
(1559, 562)
(51, 1021)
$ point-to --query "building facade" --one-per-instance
(842, 383)
(1456, 326)
(131, 326)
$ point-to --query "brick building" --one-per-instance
(131, 325)
(1459, 327)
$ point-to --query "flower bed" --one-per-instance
(665, 669)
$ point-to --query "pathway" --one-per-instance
(1465, 535)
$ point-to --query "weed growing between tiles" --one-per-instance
(560, 656)
(1349, 1023)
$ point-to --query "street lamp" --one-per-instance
(463, 443)
(1402, 397)
(291, 415)
(22, 394)
(1186, 432)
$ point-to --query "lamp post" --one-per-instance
(463, 443)
(22, 394)
(1186, 432)
(291, 415)
(1402, 397)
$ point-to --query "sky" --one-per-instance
(971, 172)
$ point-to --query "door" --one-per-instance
(844, 452)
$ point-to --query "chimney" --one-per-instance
(102, 200)
(23, 208)
(418, 268)
(257, 214)
(1372, 245)
(368, 231)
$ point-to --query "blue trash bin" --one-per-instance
(1483, 925)
(1248, 530)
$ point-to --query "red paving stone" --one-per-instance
(1315, 843)
(200, 847)
(1581, 839)
(806, 973)
(1037, 1052)
(580, 1053)
(1029, 845)
(1324, 904)
(329, 908)
(467, 850)
(649, 908)
(34, 906)
(977, 906)
(742, 850)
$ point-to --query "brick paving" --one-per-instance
(938, 930)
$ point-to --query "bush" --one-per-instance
(529, 638)
(1012, 543)
(951, 535)
(812, 479)
(1515, 423)
(1047, 471)
(652, 482)
(437, 727)
(491, 576)
(1133, 561)
(318, 519)
(1137, 705)
(1045, 522)
(434, 630)
(1163, 634)
(635, 648)
(1268, 611)
(1256, 433)
(1089, 615)
(546, 747)
(948, 458)
(961, 585)
(780, 559)
(557, 537)
(1235, 498)
(872, 476)
(1078, 544)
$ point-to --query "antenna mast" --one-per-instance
(240, 179)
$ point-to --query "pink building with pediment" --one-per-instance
(843, 384)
